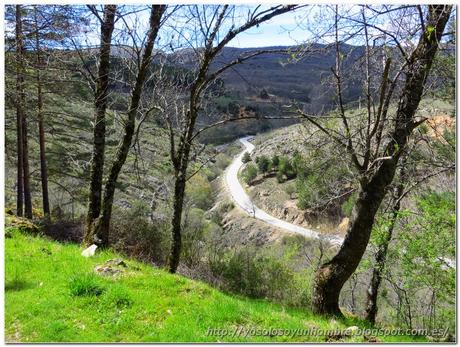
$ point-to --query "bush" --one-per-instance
(222, 161)
(275, 162)
(347, 206)
(250, 172)
(307, 191)
(212, 172)
(193, 246)
(280, 177)
(262, 274)
(86, 285)
(263, 163)
(217, 214)
(290, 189)
(141, 233)
(298, 164)
(286, 168)
(199, 191)
(22, 224)
(246, 157)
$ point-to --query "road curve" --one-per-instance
(244, 201)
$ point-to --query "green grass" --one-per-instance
(53, 295)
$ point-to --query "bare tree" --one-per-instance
(100, 105)
(377, 154)
(100, 229)
(210, 23)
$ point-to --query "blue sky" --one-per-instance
(280, 31)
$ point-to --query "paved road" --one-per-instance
(244, 202)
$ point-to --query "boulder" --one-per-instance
(89, 252)
(111, 267)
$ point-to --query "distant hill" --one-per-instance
(278, 76)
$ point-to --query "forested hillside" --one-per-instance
(306, 183)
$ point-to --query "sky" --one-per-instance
(280, 31)
(288, 29)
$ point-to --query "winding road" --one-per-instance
(244, 201)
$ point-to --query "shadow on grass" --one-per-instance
(17, 285)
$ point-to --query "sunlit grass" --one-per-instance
(53, 295)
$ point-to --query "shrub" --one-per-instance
(290, 189)
(86, 285)
(307, 191)
(347, 206)
(199, 191)
(260, 273)
(286, 168)
(280, 177)
(193, 236)
(298, 164)
(228, 206)
(246, 157)
(263, 164)
(234, 108)
(275, 162)
(140, 232)
(250, 172)
(22, 224)
(222, 161)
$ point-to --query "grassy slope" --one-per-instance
(146, 304)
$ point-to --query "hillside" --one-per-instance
(68, 302)
(300, 176)
(302, 193)
(282, 198)
(302, 76)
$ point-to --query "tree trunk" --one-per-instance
(97, 160)
(25, 166)
(19, 112)
(381, 255)
(377, 273)
(176, 246)
(41, 130)
(103, 223)
(331, 276)
(181, 165)
(23, 156)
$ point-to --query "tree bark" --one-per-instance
(100, 103)
(25, 166)
(41, 130)
(19, 112)
(181, 165)
(381, 255)
(176, 246)
(332, 275)
(103, 223)
(24, 194)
